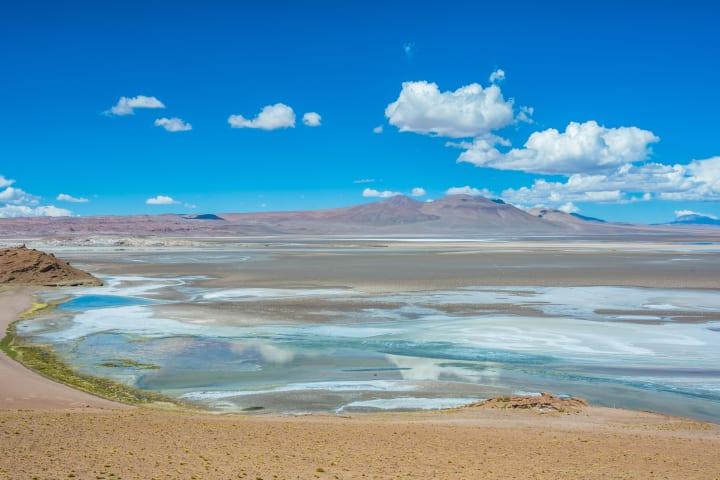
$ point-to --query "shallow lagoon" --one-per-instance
(404, 351)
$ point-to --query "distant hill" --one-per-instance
(695, 219)
(572, 221)
(398, 215)
(204, 216)
(587, 219)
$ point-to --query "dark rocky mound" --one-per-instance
(204, 216)
(696, 219)
(24, 266)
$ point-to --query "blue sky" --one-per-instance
(652, 71)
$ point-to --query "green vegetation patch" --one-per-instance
(127, 363)
(44, 360)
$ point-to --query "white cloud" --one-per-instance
(371, 192)
(568, 207)
(5, 182)
(13, 211)
(173, 124)
(581, 148)
(378, 129)
(497, 76)
(409, 49)
(468, 190)
(698, 180)
(16, 202)
(312, 119)
(161, 200)
(64, 197)
(271, 117)
(418, 192)
(18, 196)
(525, 114)
(684, 213)
(127, 105)
(365, 180)
(468, 111)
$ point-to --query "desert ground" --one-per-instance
(50, 431)
(493, 444)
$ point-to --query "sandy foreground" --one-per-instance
(461, 444)
(50, 431)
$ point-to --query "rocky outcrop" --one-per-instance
(545, 402)
(25, 266)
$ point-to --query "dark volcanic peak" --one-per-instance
(588, 219)
(696, 219)
(203, 216)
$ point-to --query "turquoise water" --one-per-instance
(402, 357)
(91, 302)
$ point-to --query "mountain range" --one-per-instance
(453, 214)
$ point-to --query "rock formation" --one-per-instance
(24, 266)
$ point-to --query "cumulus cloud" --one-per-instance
(698, 180)
(312, 119)
(468, 190)
(18, 196)
(64, 197)
(14, 211)
(271, 117)
(685, 213)
(468, 111)
(371, 192)
(497, 76)
(16, 202)
(568, 207)
(161, 200)
(418, 192)
(378, 129)
(127, 105)
(581, 148)
(173, 124)
(525, 114)
(364, 180)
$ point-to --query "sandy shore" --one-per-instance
(463, 444)
(23, 388)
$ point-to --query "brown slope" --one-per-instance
(397, 210)
(465, 212)
(400, 214)
(24, 266)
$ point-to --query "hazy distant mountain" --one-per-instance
(203, 216)
(451, 215)
(588, 219)
(401, 214)
(572, 221)
(695, 219)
